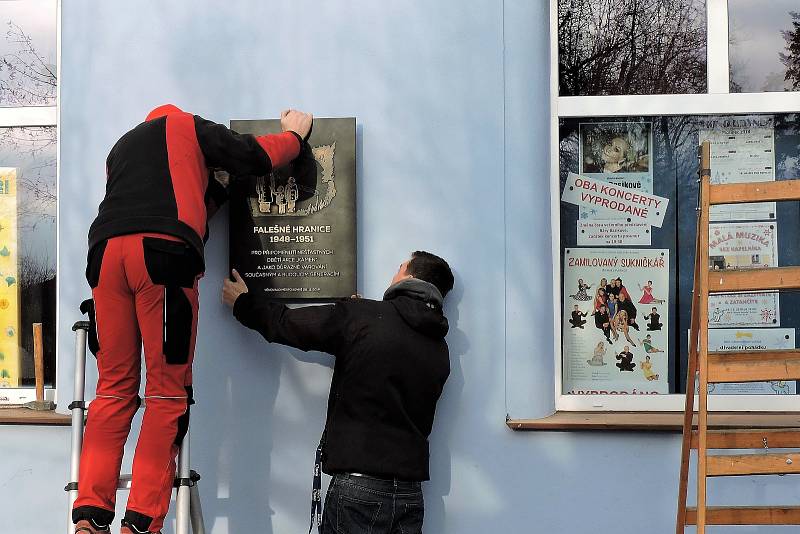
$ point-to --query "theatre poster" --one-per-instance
(618, 153)
(608, 294)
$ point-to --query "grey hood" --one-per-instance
(421, 308)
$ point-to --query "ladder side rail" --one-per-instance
(688, 414)
(702, 415)
(196, 510)
(182, 497)
(79, 389)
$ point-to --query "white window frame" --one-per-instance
(33, 116)
(718, 101)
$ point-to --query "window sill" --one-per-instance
(653, 421)
(25, 416)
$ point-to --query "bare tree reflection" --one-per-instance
(26, 79)
(33, 149)
(609, 47)
(791, 59)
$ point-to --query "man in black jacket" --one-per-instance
(391, 364)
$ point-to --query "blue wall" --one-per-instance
(452, 103)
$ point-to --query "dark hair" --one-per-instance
(432, 269)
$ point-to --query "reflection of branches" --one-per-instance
(33, 149)
(791, 59)
(631, 46)
(34, 270)
(25, 77)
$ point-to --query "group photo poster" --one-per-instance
(743, 246)
(752, 339)
(619, 153)
(615, 321)
(293, 232)
(742, 150)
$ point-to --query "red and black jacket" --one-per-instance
(158, 174)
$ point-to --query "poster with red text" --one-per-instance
(743, 246)
(615, 321)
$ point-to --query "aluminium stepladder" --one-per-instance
(187, 508)
(706, 368)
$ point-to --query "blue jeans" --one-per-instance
(365, 505)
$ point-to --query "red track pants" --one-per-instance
(145, 293)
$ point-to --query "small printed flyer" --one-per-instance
(615, 321)
(604, 233)
(753, 339)
(743, 310)
(743, 246)
(742, 150)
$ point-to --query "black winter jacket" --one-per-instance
(391, 364)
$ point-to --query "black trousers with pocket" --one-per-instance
(365, 505)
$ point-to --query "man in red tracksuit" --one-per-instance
(145, 260)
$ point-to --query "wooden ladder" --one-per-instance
(721, 367)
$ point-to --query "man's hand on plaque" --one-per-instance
(232, 290)
(297, 122)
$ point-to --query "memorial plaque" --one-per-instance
(293, 232)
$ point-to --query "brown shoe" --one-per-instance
(87, 527)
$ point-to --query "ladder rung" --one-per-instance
(747, 515)
(782, 190)
(754, 366)
(771, 278)
(777, 438)
(752, 464)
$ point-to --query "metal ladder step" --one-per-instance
(747, 515)
(754, 366)
(782, 190)
(124, 482)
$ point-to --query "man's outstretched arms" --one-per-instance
(318, 328)
(242, 154)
